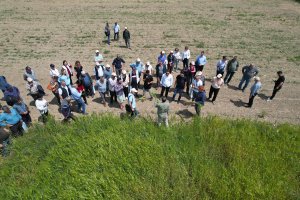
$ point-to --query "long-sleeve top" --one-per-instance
(111, 84)
(20, 108)
(249, 72)
(217, 83)
(3, 83)
(54, 72)
(137, 66)
(64, 78)
(200, 97)
(221, 65)
(201, 60)
(98, 58)
(9, 118)
(166, 81)
(41, 105)
(177, 55)
(68, 69)
(255, 88)
(232, 65)
(32, 88)
(186, 54)
(116, 28)
(119, 89)
(101, 86)
(29, 75)
(161, 58)
(98, 72)
(162, 109)
(76, 95)
(125, 80)
(196, 84)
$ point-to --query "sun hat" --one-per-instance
(148, 63)
(124, 71)
(97, 51)
(107, 66)
(133, 90)
(82, 72)
(29, 79)
(125, 27)
(199, 73)
(113, 74)
(219, 76)
(138, 60)
(171, 51)
(256, 78)
(163, 52)
(192, 63)
(97, 63)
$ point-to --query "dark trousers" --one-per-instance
(200, 68)
(127, 43)
(188, 83)
(274, 92)
(179, 91)
(163, 89)
(220, 72)
(126, 91)
(198, 108)
(26, 118)
(57, 97)
(17, 129)
(228, 77)
(213, 91)
(116, 36)
(84, 97)
(251, 100)
(113, 95)
(185, 63)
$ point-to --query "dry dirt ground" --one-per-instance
(266, 33)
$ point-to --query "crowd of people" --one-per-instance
(72, 84)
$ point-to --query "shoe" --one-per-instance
(213, 102)
(268, 100)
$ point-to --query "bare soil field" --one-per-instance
(265, 33)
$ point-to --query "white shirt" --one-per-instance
(100, 71)
(167, 81)
(41, 105)
(221, 65)
(111, 84)
(98, 58)
(147, 67)
(116, 28)
(177, 55)
(54, 72)
(66, 68)
(196, 84)
(186, 54)
(217, 83)
(60, 90)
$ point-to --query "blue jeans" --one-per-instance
(81, 105)
(177, 90)
(244, 79)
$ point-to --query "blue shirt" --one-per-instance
(255, 88)
(201, 60)
(131, 99)
(9, 118)
(107, 73)
(64, 78)
(138, 66)
(161, 58)
(75, 94)
(20, 108)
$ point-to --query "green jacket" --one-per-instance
(162, 109)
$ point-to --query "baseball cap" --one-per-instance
(133, 90)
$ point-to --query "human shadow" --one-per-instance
(123, 46)
(185, 113)
(53, 101)
(263, 96)
(238, 103)
(233, 87)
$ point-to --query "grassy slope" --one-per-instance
(103, 157)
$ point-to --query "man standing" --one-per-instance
(200, 61)
(249, 71)
(77, 97)
(200, 98)
(221, 65)
(166, 83)
(162, 57)
(117, 65)
(98, 71)
(98, 57)
(107, 32)
(148, 80)
(132, 102)
(180, 83)
(162, 111)
(254, 91)
(63, 90)
(278, 84)
(116, 31)
(177, 55)
(232, 67)
(126, 37)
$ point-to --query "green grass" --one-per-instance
(108, 158)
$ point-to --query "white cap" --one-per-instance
(113, 74)
(256, 78)
(83, 72)
(29, 79)
(97, 63)
(148, 63)
(192, 63)
(107, 66)
(138, 60)
(171, 52)
(125, 27)
(219, 76)
(199, 73)
(133, 90)
(124, 71)
(163, 52)
(97, 51)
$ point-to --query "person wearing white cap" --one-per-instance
(171, 60)
(162, 57)
(112, 81)
(126, 37)
(117, 65)
(216, 84)
(146, 67)
(196, 83)
(221, 65)
(132, 102)
(98, 57)
(29, 73)
(254, 91)
(35, 90)
(138, 65)
(125, 79)
(53, 71)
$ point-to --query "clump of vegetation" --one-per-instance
(103, 157)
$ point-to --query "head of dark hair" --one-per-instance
(279, 72)
(163, 99)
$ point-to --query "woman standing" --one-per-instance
(216, 84)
